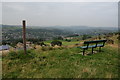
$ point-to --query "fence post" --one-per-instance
(24, 36)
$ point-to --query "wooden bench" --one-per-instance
(93, 44)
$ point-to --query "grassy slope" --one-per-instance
(62, 63)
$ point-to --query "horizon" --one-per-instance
(57, 26)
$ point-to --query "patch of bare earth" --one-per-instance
(113, 45)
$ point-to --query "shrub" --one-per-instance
(118, 37)
(110, 41)
(41, 44)
(86, 37)
(68, 40)
(53, 43)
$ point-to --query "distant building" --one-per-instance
(4, 47)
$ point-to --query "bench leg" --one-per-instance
(99, 49)
(83, 52)
(92, 50)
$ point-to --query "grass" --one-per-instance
(65, 43)
(61, 63)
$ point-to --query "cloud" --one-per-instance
(0, 13)
(61, 13)
(60, 0)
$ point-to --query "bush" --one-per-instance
(41, 44)
(68, 40)
(118, 37)
(59, 43)
(110, 41)
(86, 37)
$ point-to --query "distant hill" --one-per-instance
(15, 31)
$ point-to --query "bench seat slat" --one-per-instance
(100, 45)
(84, 47)
(92, 46)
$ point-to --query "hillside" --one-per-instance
(42, 33)
(62, 62)
(48, 33)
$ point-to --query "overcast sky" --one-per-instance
(96, 14)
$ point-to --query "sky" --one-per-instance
(59, 0)
(95, 14)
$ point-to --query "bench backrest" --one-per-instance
(95, 42)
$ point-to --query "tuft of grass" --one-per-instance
(46, 48)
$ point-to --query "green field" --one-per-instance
(65, 43)
(61, 63)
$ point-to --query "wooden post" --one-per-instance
(24, 36)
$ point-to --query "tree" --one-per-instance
(55, 42)
(86, 37)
